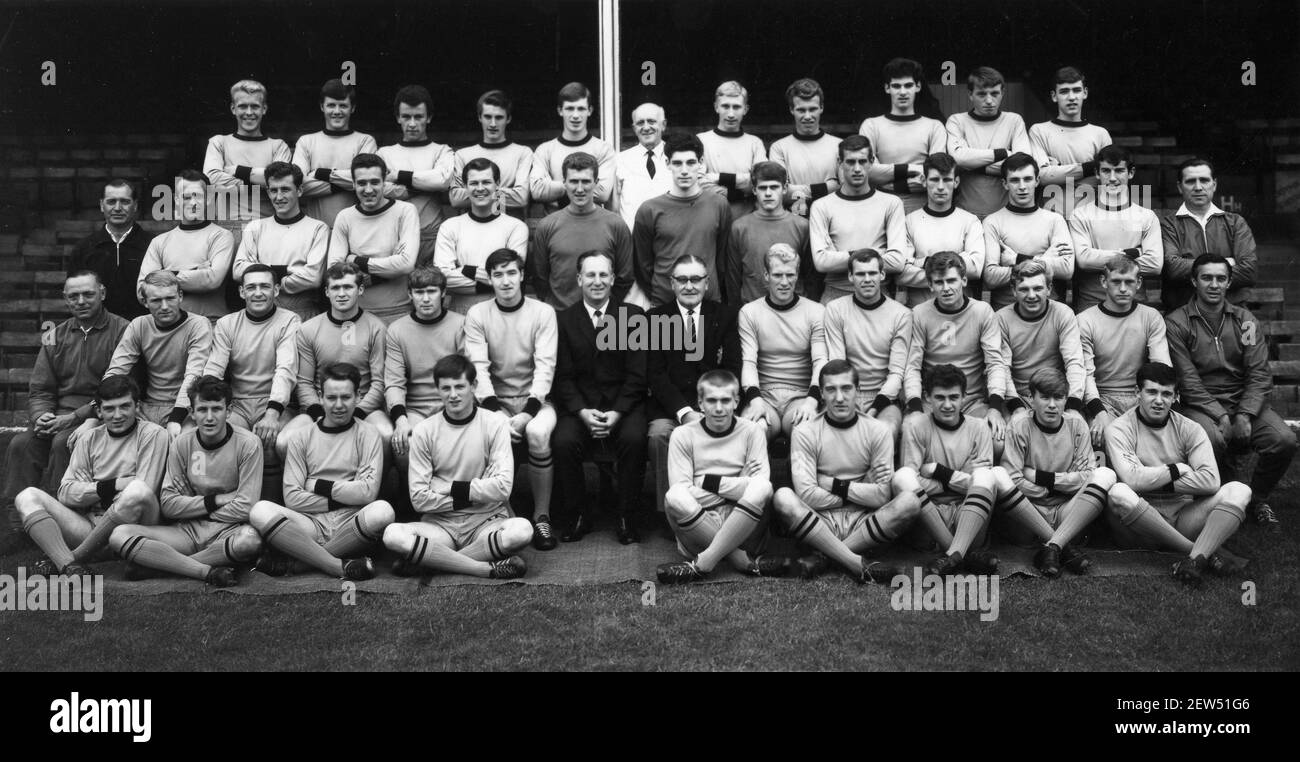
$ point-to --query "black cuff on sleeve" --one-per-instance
(999, 154)
(942, 474)
(278, 407)
(244, 174)
(460, 494)
(210, 503)
(727, 179)
(880, 403)
(1074, 403)
(840, 489)
(1089, 168)
(178, 415)
(1045, 479)
(322, 174)
(362, 263)
(335, 505)
(405, 177)
(819, 190)
(1023, 258)
(1132, 253)
(751, 394)
(324, 488)
(712, 483)
(316, 412)
(1014, 404)
(1094, 407)
(359, 414)
(533, 406)
(815, 392)
(107, 490)
(914, 405)
(396, 411)
(340, 188)
(491, 403)
(995, 402)
(482, 288)
(900, 178)
(468, 271)
(1173, 473)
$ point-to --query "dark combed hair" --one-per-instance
(835, 368)
(341, 371)
(115, 386)
(211, 389)
(478, 165)
(805, 89)
(277, 170)
(941, 262)
(901, 68)
(413, 95)
(1068, 74)
(682, 141)
(764, 171)
(578, 161)
(944, 376)
(854, 143)
(369, 161)
(503, 256)
(335, 89)
(984, 76)
(944, 163)
(1049, 382)
(1115, 155)
(426, 276)
(1157, 372)
(496, 98)
(1018, 161)
(258, 267)
(1210, 258)
(574, 91)
(455, 366)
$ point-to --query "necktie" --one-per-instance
(690, 324)
(595, 319)
(650, 163)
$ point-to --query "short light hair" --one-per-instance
(719, 377)
(163, 279)
(249, 86)
(1119, 264)
(941, 262)
(426, 276)
(1030, 268)
(578, 161)
(781, 254)
(805, 89)
(730, 89)
(1049, 382)
(985, 77)
(572, 92)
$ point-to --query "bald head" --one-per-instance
(648, 122)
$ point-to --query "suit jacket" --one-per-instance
(600, 372)
(672, 377)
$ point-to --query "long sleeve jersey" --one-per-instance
(515, 162)
(462, 467)
(899, 141)
(813, 160)
(565, 235)
(245, 154)
(929, 232)
(962, 448)
(667, 227)
(717, 467)
(1100, 232)
(258, 356)
(1050, 340)
(101, 458)
(324, 340)
(375, 238)
(413, 347)
(173, 357)
(968, 338)
(1141, 454)
(546, 179)
(730, 154)
(781, 346)
(295, 249)
(1115, 345)
(514, 349)
(197, 473)
(872, 338)
(839, 224)
(1074, 147)
(329, 468)
(325, 159)
(424, 170)
(1016, 234)
(859, 451)
(979, 144)
(1062, 458)
(463, 246)
(751, 238)
(200, 254)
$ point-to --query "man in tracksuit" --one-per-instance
(1220, 354)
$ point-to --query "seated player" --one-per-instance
(854, 217)
(546, 178)
(344, 333)
(172, 344)
(954, 329)
(754, 234)
(1038, 332)
(462, 471)
(197, 251)
(515, 161)
(331, 481)
(937, 226)
(1115, 224)
(214, 475)
(290, 243)
(380, 237)
(842, 467)
(1221, 355)
(1168, 496)
(808, 154)
(729, 152)
(951, 455)
(257, 350)
(112, 480)
(782, 349)
(721, 484)
(465, 241)
(413, 346)
(326, 156)
(1023, 231)
(238, 161)
(419, 169)
(872, 332)
(1117, 337)
(1049, 458)
(513, 343)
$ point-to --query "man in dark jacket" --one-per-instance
(600, 393)
(1199, 227)
(1221, 357)
(711, 342)
(116, 251)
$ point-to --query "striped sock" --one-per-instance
(45, 532)
(971, 519)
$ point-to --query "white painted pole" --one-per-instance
(610, 110)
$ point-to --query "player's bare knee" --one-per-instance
(1236, 495)
(399, 538)
(246, 543)
(119, 537)
(905, 480)
(28, 501)
(758, 494)
(984, 478)
(1122, 499)
(678, 502)
(129, 504)
(1002, 480)
(262, 514)
(1104, 477)
(788, 505)
(378, 516)
(516, 534)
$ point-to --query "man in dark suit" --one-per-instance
(600, 391)
(712, 342)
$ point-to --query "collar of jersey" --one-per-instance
(961, 419)
(135, 424)
(863, 197)
(337, 133)
(808, 138)
(1060, 123)
(248, 138)
(335, 429)
(965, 302)
(951, 208)
(296, 218)
(230, 432)
(378, 211)
(901, 118)
(850, 423)
(781, 307)
(715, 434)
(329, 313)
(473, 411)
(442, 313)
(724, 134)
(979, 118)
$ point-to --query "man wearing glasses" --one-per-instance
(71, 362)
